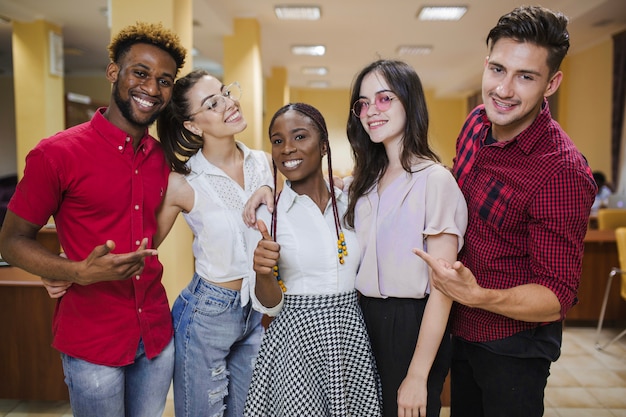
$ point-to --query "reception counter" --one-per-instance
(32, 369)
(600, 256)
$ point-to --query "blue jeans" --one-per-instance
(217, 341)
(139, 389)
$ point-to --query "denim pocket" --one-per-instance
(213, 300)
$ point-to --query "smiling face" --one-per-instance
(142, 86)
(297, 148)
(381, 126)
(515, 81)
(226, 122)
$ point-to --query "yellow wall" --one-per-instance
(333, 104)
(446, 119)
(585, 103)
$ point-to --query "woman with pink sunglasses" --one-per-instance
(401, 198)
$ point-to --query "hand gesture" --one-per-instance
(266, 253)
(101, 265)
(455, 281)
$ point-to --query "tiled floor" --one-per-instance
(584, 383)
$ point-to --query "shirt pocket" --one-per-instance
(496, 199)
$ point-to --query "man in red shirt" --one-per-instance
(103, 182)
(529, 192)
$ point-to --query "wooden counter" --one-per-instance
(600, 256)
(32, 369)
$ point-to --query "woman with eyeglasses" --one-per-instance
(401, 198)
(217, 333)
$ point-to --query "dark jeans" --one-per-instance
(486, 384)
(393, 325)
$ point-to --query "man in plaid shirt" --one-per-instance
(529, 192)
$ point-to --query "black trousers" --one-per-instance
(393, 325)
(486, 384)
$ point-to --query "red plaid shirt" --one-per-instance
(528, 205)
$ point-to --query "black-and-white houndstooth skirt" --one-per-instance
(315, 361)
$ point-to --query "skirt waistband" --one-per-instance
(320, 300)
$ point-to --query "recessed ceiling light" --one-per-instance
(297, 12)
(414, 49)
(315, 70)
(318, 84)
(315, 50)
(441, 12)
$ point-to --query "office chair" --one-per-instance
(611, 218)
(620, 238)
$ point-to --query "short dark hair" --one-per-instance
(150, 33)
(537, 25)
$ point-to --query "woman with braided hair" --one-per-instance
(315, 358)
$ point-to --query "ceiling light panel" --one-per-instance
(314, 50)
(297, 12)
(315, 71)
(318, 84)
(441, 12)
(414, 50)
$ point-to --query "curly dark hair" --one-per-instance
(150, 33)
(537, 25)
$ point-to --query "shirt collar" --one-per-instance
(288, 196)
(117, 137)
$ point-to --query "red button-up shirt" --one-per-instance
(528, 205)
(98, 187)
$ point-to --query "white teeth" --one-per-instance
(292, 164)
(144, 103)
(500, 104)
(233, 117)
(376, 124)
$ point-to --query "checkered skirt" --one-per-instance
(315, 360)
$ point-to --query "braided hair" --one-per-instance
(320, 124)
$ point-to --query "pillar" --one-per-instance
(39, 96)
(242, 63)
(276, 96)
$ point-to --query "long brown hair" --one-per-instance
(370, 159)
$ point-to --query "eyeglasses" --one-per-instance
(217, 103)
(382, 101)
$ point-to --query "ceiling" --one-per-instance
(355, 32)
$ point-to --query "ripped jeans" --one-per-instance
(217, 341)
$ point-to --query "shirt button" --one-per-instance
(136, 171)
(127, 139)
(137, 277)
(139, 310)
(120, 147)
(137, 242)
(136, 207)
